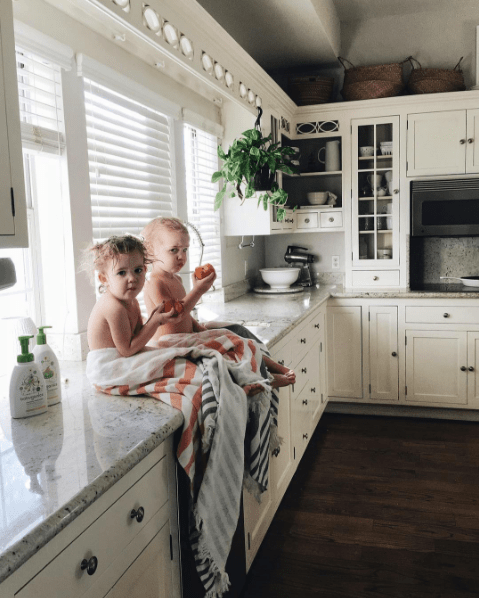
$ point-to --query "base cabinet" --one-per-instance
(122, 546)
(383, 353)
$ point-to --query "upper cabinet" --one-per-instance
(375, 196)
(13, 218)
(443, 143)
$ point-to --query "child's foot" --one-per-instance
(283, 379)
(276, 368)
(253, 389)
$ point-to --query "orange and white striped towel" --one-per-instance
(203, 374)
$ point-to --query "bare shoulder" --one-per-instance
(157, 287)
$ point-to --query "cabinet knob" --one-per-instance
(396, 191)
(90, 565)
(313, 390)
(445, 315)
(471, 369)
(307, 220)
(316, 325)
(305, 436)
(462, 141)
(463, 368)
(375, 277)
(281, 361)
(303, 340)
(331, 219)
(394, 354)
(138, 514)
(470, 140)
(304, 370)
(305, 401)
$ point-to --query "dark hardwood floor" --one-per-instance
(379, 506)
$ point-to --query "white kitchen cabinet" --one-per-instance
(383, 353)
(436, 367)
(13, 216)
(344, 350)
(443, 143)
(121, 546)
(375, 195)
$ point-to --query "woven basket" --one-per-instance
(310, 90)
(369, 90)
(434, 80)
(379, 72)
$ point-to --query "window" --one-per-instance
(41, 115)
(201, 162)
(129, 154)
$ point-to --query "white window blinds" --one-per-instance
(201, 162)
(40, 102)
(129, 154)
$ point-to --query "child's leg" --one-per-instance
(253, 389)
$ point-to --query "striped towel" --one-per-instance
(225, 437)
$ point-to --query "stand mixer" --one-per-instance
(293, 255)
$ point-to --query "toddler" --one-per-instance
(168, 241)
(115, 321)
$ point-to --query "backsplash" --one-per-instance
(433, 257)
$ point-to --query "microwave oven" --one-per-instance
(445, 208)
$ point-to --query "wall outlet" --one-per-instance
(335, 262)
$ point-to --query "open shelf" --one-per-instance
(313, 174)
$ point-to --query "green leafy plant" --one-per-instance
(248, 157)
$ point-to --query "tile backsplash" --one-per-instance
(433, 257)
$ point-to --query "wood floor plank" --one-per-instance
(379, 507)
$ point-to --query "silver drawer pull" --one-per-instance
(138, 514)
(90, 565)
(445, 315)
(307, 220)
(375, 277)
(331, 219)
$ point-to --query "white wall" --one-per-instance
(436, 39)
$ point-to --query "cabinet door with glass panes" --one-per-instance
(375, 194)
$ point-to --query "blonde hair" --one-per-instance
(162, 222)
(98, 255)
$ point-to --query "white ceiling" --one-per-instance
(282, 34)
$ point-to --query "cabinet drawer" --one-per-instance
(303, 342)
(376, 278)
(442, 315)
(331, 219)
(104, 539)
(307, 220)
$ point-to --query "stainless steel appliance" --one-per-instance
(294, 255)
(445, 208)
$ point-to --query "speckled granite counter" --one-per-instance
(54, 465)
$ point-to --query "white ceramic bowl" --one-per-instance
(318, 198)
(280, 278)
(366, 150)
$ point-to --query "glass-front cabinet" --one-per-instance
(375, 194)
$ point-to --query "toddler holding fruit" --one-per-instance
(168, 241)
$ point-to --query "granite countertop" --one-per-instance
(54, 465)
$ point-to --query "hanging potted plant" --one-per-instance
(250, 165)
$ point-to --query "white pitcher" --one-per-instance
(332, 159)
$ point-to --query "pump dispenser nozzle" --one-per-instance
(41, 336)
(25, 355)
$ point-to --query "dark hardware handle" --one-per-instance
(316, 325)
(445, 315)
(305, 401)
(313, 390)
(304, 370)
(303, 340)
(394, 354)
(471, 369)
(396, 191)
(281, 361)
(463, 368)
(305, 436)
(138, 514)
(462, 141)
(90, 565)
(470, 140)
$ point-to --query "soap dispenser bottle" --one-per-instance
(28, 391)
(48, 364)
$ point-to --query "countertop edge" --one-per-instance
(17, 554)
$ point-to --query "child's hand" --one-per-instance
(204, 284)
(159, 316)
